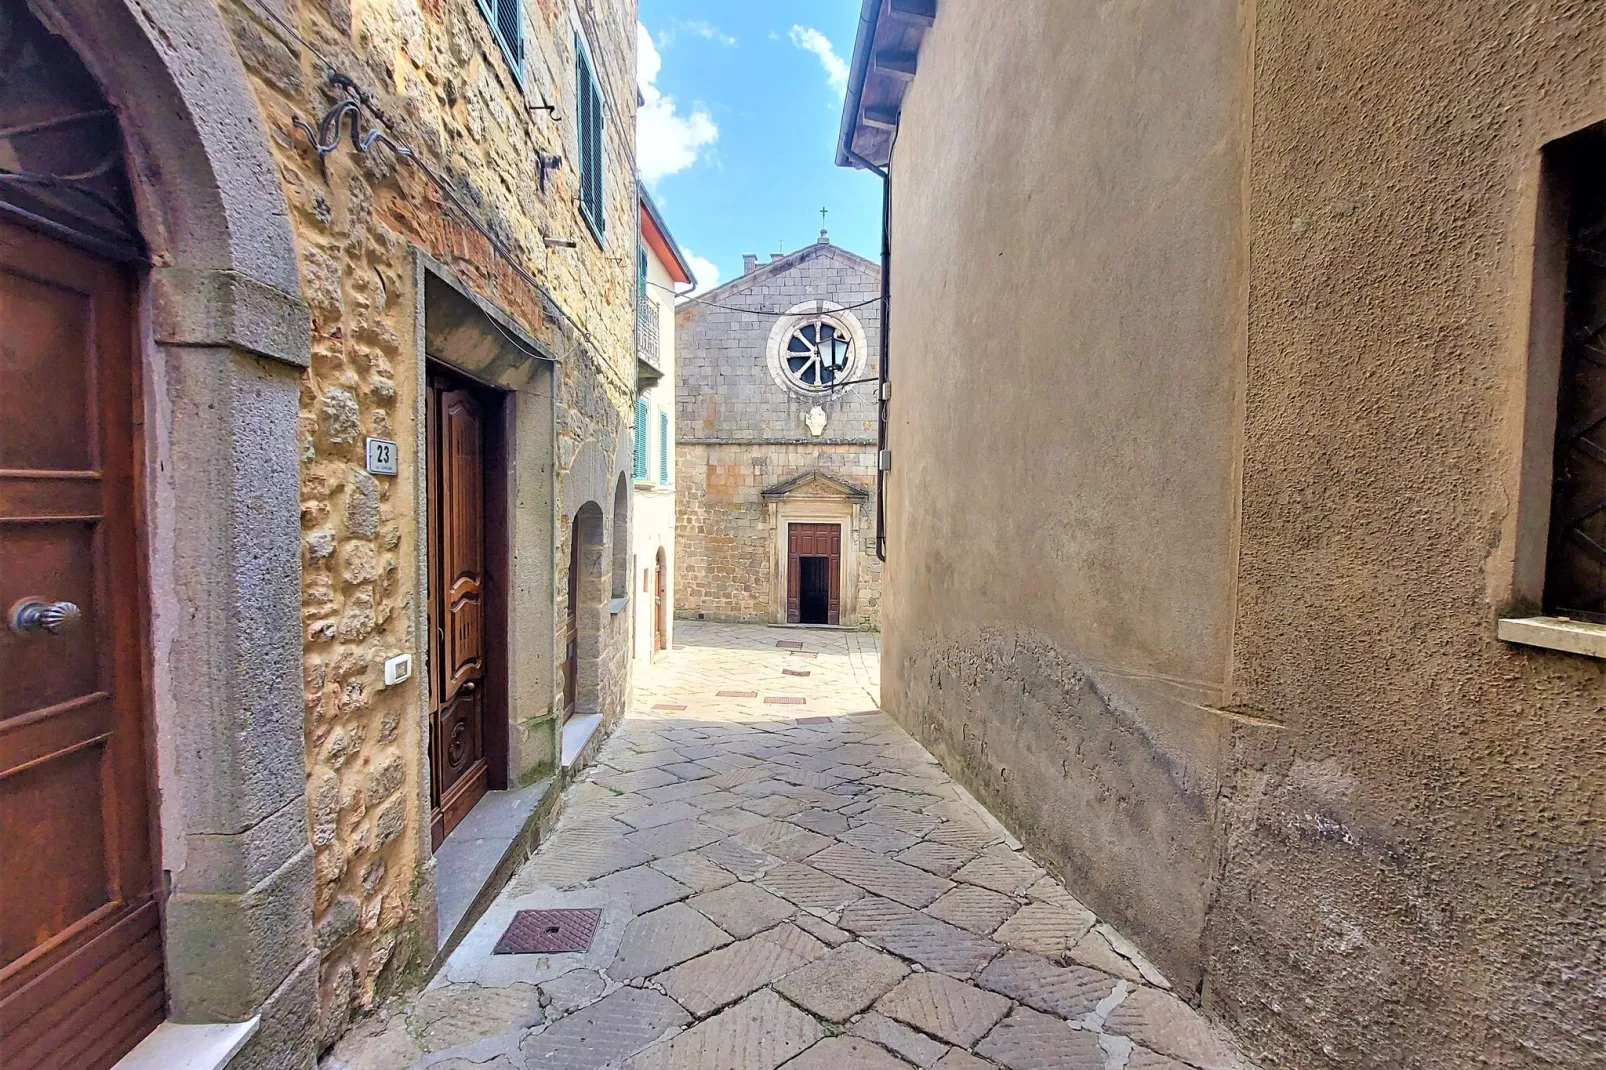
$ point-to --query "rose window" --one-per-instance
(817, 354)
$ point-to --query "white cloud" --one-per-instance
(711, 32)
(704, 271)
(666, 140)
(836, 68)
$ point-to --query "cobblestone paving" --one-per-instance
(787, 885)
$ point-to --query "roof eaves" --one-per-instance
(658, 223)
(858, 69)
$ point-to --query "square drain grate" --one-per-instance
(545, 932)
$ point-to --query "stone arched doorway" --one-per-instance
(135, 183)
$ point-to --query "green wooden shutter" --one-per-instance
(507, 22)
(511, 28)
(589, 101)
(663, 448)
(641, 438)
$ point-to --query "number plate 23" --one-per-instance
(381, 456)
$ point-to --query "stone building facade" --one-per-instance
(340, 223)
(770, 448)
(1234, 373)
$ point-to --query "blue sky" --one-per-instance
(737, 140)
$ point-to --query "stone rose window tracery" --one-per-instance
(818, 354)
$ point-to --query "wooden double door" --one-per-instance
(814, 574)
(81, 978)
(467, 651)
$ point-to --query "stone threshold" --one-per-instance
(578, 731)
(1556, 633)
(189, 1047)
(483, 852)
(475, 862)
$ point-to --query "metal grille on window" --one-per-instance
(641, 438)
(817, 354)
(663, 448)
(1575, 569)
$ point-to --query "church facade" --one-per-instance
(776, 453)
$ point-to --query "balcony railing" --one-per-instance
(649, 344)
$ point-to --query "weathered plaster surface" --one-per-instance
(1065, 348)
(1208, 420)
(1419, 855)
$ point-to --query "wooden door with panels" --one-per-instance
(81, 979)
(466, 622)
(814, 574)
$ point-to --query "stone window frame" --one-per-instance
(1531, 618)
(797, 316)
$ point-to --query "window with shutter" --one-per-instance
(641, 438)
(663, 448)
(507, 24)
(588, 105)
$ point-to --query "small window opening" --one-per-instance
(1575, 565)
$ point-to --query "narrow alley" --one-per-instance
(780, 876)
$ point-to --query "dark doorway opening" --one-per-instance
(814, 590)
(817, 583)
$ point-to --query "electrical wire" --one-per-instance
(756, 311)
(402, 151)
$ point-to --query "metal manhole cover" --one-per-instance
(542, 932)
(814, 720)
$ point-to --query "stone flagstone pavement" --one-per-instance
(786, 884)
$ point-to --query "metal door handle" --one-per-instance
(33, 615)
(465, 687)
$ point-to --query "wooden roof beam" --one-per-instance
(921, 11)
(881, 118)
(897, 64)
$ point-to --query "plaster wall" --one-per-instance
(654, 522)
(1419, 852)
(1067, 338)
(1196, 555)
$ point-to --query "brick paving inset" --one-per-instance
(844, 982)
(945, 1008)
(600, 1035)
